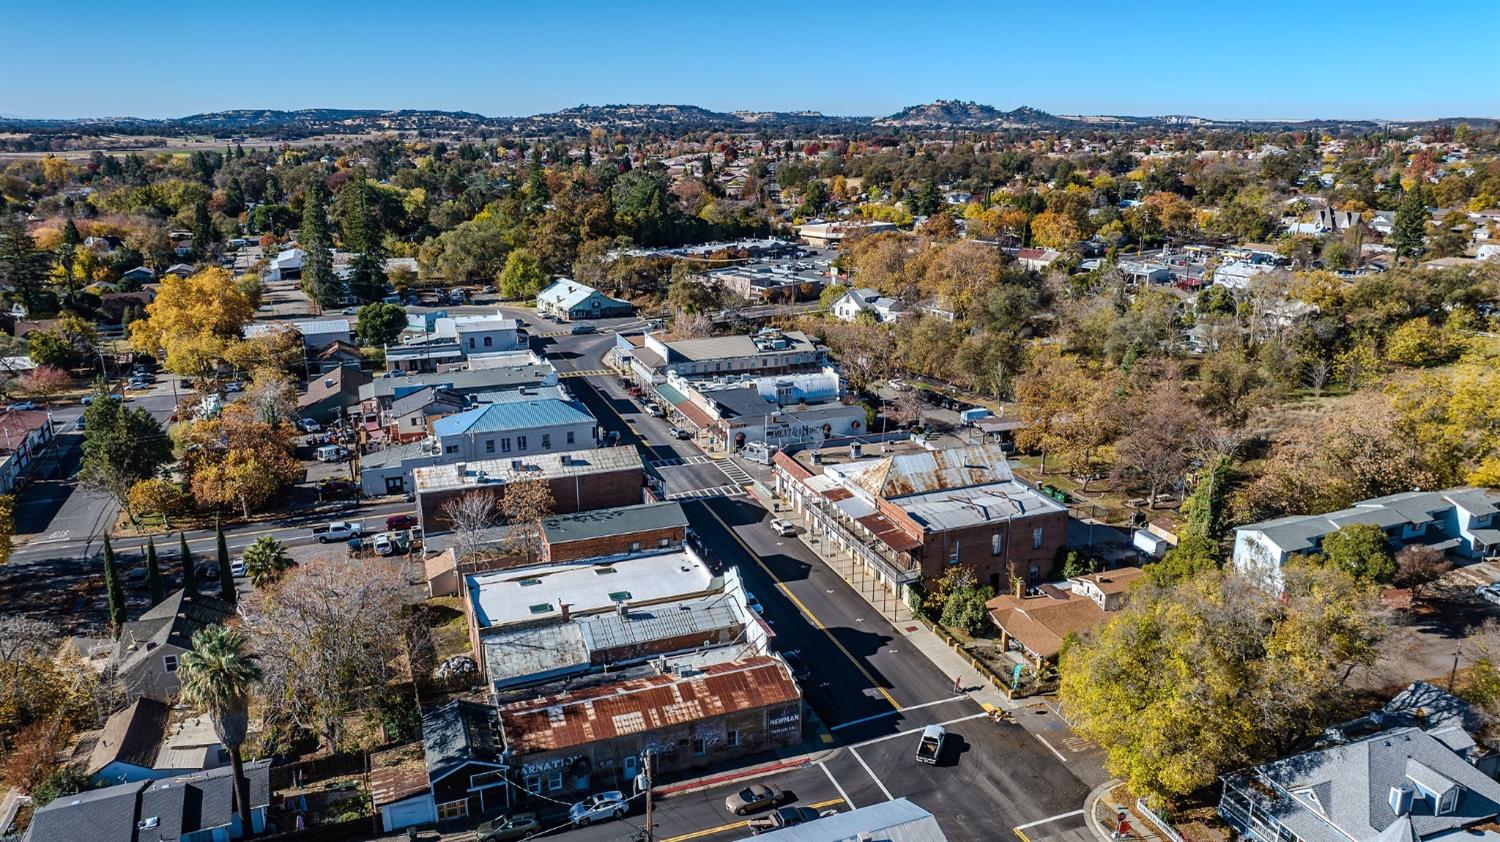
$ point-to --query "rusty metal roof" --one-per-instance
(637, 705)
(906, 474)
(889, 533)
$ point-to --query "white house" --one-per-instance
(566, 298)
(1236, 275)
(856, 301)
(519, 428)
(491, 333)
(1459, 520)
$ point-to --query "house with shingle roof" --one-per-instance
(147, 653)
(199, 807)
(1040, 622)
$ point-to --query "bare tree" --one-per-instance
(471, 515)
(905, 409)
(272, 396)
(1166, 433)
(1316, 375)
(526, 502)
(327, 636)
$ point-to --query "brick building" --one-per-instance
(581, 480)
(565, 744)
(910, 513)
(608, 532)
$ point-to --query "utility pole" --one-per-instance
(650, 830)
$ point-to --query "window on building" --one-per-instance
(700, 746)
(542, 608)
(489, 445)
(533, 783)
(554, 781)
(1036, 538)
(169, 663)
(505, 445)
(953, 556)
(635, 546)
(484, 779)
(570, 437)
(452, 448)
(546, 441)
(732, 738)
(471, 343)
(416, 421)
(520, 442)
(453, 810)
(997, 544)
(488, 341)
(664, 542)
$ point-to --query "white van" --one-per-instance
(759, 452)
(331, 453)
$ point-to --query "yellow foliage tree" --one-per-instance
(195, 319)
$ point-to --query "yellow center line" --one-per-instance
(723, 828)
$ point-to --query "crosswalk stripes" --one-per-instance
(592, 372)
(701, 493)
(735, 472)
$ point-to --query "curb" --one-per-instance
(1090, 816)
(698, 784)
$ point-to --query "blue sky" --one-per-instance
(1212, 58)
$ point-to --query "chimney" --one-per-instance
(622, 610)
(567, 610)
(1400, 800)
(1018, 585)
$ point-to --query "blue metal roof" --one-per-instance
(517, 415)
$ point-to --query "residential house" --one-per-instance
(138, 276)
(147, 652)
(795, 409)
(423, 355)
(377, 397)
(338, 354)
(24, 434)
(1038, 621)
(908, 513)
(411, 416)
(1236, 275)
(125, 751)
(1037, 260)
(330, 396)
(1460, 520)
(466, 767)
(198, 807)
(1403, 773)
(315, 333)
(580, 480)
(400, 789)
(855, 301)
(1144, 271)
(487, 334)
(570, 300)
(114, 306)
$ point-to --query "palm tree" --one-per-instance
(265, 560)
(216, 675)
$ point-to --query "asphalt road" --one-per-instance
(869, 687)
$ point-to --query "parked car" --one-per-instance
(349, 311)
(784, 817)
(395, 522)
(599, 807)
(754, 798)
(237, 568)
(679, 433)
(654, 411)
(234, 386)
(1489, 593)
(331, 453)
(783, 527)
(754, 602)
(384, 544)
(22, 406)
(339, 530)
(509, 828)
(578, 329)
(308, 425)
(794, 662)
(78, 425)
(89, 399)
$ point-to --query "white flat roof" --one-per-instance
(531, 594)
(997, 502)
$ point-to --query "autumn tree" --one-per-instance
(1165, 433)
(237, 459)
(158, 496)
(272, 396)
(1419, 565)
(1213, 674)
(44, 383)
(525, 503)
(523, 276)
(195, 320)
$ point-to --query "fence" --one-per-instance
(317, 769)
(1162, 824)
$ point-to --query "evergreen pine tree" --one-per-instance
(189, 575)
(234, 197)
(318, 280)
(204, 233)
(23, 269)
(367, 272)
(588, 157)
(153, 574)
(226, 577)
(112, 590)
(1410, 226)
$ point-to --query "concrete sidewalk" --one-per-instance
(897, 613)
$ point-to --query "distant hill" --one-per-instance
(934, 116)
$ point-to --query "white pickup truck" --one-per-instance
(930, 746)
(339, 530)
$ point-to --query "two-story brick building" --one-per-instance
(909, 513)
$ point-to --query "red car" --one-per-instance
(395, 522)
